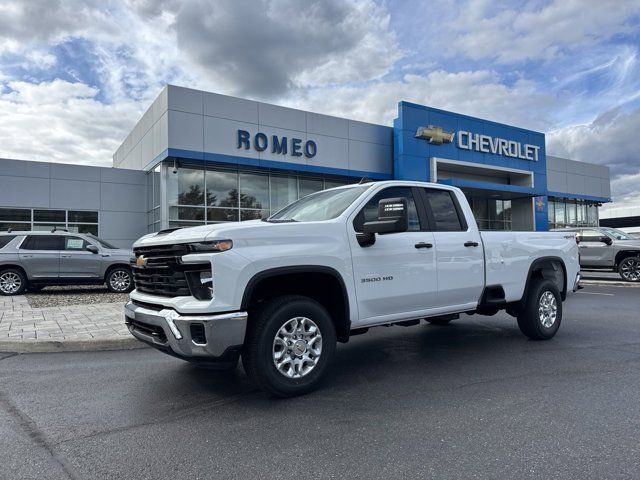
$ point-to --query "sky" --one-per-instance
(75, 76)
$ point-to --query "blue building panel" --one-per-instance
(476, 141)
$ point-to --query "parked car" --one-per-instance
(282, 291)
(609, 249)
(33, 260)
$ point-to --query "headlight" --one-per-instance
(214, 246)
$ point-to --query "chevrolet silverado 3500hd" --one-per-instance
(282, 291)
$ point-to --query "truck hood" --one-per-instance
(236, 231)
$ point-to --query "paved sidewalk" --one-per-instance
(97, 326)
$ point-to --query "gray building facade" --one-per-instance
(108, 202)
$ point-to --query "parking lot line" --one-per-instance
(597, 293)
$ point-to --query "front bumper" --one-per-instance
(197, 337)
(576, 283)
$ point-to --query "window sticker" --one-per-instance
(74, 243)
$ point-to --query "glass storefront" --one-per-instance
(491, 213)
(572, 213)
(198, 196)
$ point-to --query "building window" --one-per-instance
(491, 213)
(228, 195)
(572, 213)
(39, 219)
(153, 200)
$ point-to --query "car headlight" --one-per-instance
(213, 246)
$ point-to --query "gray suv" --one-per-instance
(609, 249)
(33, 260)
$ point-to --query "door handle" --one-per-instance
(27, 256)
(471, 244)
(423, 245)
(65, 256)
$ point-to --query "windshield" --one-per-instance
(617, 234)
(319, 206)
(102, 242)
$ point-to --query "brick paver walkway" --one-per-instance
(74, 324)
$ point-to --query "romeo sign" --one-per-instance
(276, 144)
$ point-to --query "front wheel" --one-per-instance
(290, 343)
(12, 282)
(629, 269)
(540, 317)
(120, 280)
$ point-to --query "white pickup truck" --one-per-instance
(282, 291)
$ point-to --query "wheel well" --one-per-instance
(115, 265)
(15, 267)
(324, 285)
(551, 268)
(624, 254)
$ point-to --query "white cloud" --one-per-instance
(611, 139)
(477, 93)
(62, 122)
(481, 29)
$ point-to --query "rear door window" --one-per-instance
(75, 243)
(444, 211)
(42, 242)
(5, 239)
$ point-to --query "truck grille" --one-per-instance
(163, 273)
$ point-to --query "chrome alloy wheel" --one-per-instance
(120, 280)
(10, 282)
(548, 309)
(630, 269)
(297, 347)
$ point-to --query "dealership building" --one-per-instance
(197, 157)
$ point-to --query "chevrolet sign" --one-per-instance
(480, 143)
(497, 146)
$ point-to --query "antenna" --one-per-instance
(365, 180)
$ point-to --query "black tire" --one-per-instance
(629, 269)
(116, 281)
(439, 321)
(530, 317)
(258, 351)
(13, 281)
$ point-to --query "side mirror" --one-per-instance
(607, 240)
(392, 217)
(92, 248)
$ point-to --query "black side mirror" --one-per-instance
(607, 240)
(392, 217)
(92, 248)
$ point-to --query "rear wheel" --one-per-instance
(290, 344)
(540, 317)
(120, 280)
(12, 281)
(629, 269)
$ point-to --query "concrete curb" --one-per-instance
(609, 283)
(50, 346)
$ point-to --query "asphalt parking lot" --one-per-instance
(475, 399)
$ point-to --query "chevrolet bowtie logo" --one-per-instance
(141, 261)
(435, 135)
